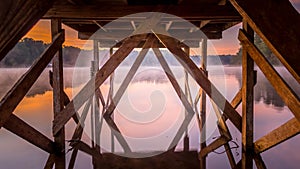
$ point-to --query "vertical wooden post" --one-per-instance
(95, 108)
(203, 105)
(111, 93)
(58, 99)
(247, 103)
(186, 139)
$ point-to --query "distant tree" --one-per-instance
(259, 43)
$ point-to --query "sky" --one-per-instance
(229, 44)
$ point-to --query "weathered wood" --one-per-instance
(50, 162)
(58, 95)
(260, 164)
(203, 105)
(203, 81)
(17, 18)
(10, 101)
(277, 136)
(224, 131)
(284, 45)
(190, 112)
(65, 96)
(237, 99)
(94, 83)
(28, 133)
(289, 97)
(213, 146)
(247, 102)
(121, 34)
(164, 160)
(117, 11)
(86, 149)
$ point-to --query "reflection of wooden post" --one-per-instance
(111, 93)
(186, 139)
(58, 99)
(203, 106)
(247, 103)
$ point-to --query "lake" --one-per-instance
(148, 115)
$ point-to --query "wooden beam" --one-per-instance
(86, 149)
(190, 112)
(203, 81)
(88, 90)
(203, 105)
(117, 11)
(50, 162)
(247, 102)
(290, 98)
(213, 146)
(283, 42)
(10, 101)
(17, 18)
(58, 95)
(118, 35)
(65, 96)
(277, 136)
(28, 133)
(115, 101)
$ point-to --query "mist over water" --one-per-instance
(36, 109)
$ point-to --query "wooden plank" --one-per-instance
(50, 162)
(58, 96)
(237, 99)
(65, 96)
(164, 160)
(117, 11)
(28, 133)
(86, 149)
(213, 146)
(282, 42)
(190, 112)
(277, 136)
(95, 82)
(121, 34)
(203, 105)
(247, 102)
(10, 101)
(289, 97)
(203, 81)
(17, 18)
(260, 164)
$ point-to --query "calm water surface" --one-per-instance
(148, 115)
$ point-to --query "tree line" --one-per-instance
(28, 50)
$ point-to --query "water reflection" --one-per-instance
(36, 109)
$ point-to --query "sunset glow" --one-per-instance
(41, 31)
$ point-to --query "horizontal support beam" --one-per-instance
(277, 136)
(118, 35)
(11, 100)
(201, 12)
(290, 98)
(28, 133)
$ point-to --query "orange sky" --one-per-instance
(229, 44)
(41, 31)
